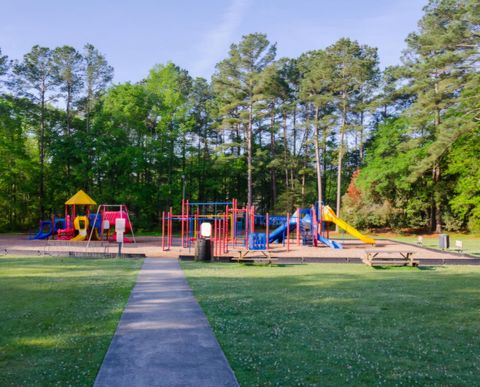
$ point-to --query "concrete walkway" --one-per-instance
(163, 338)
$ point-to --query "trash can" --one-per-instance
(444, 241)
(203, 250)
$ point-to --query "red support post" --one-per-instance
(226, 229)
(298, 226)
(267, 231)
(247, 225)
(170, 237)
(252, 210)
(288, 231)
(197, 223)
(222, 236)
(215, 237)
(187, 239)
(182, 225)
(163, 230)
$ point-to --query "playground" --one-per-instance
(237, 234)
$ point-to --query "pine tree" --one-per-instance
(236, 82)
(438, 65)
(34, 79)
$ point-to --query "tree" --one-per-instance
(438, 64)
(351, 67)
(235, 81)
(4, 65)
(67, 68)
(18, 164)
(315, 91)
(98, 75)
(35, 80)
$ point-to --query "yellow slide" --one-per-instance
(81, 224)
(328, 215)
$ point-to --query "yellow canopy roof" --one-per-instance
(80, 198)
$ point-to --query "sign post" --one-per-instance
(120, 224)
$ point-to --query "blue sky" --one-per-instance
(135, 35)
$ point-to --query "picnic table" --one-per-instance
(256, 244)
(390, 258)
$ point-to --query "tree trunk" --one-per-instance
(303, 190)
(285, 147)
(41, 193)
(68, 108)
(438, 198)
(272, 156)
(437, 195)
(340, 155)
(360, 145)
(249, 155)
(317, 159)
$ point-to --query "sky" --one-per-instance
(135, 35)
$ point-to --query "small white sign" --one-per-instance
(119, 237)
(120, 225)
(106, 224)
(206, 230)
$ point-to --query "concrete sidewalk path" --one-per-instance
(163, 337)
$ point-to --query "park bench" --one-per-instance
(389, 258)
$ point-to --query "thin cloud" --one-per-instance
(216, 41)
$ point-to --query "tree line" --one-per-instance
(391, 148)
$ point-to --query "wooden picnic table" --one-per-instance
(243, 254)
(390, 258)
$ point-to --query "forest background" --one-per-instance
(397, 148)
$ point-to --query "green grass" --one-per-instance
(471, 243)
(57, 317)
(329, 324)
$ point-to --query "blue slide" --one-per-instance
(329, 242)
(44, 233)
(280, 232)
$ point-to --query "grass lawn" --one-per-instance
(327, 324)
(57, 317)
(471, 243)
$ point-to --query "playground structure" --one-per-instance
(79, 224)
(234, 227)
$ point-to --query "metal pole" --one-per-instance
(119, 254)
(131, 226)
